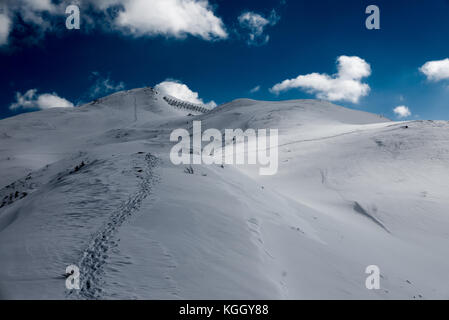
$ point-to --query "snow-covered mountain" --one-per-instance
(94, 186)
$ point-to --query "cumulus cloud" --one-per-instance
(181, 91)
(255, 89)
(402, 112)
(32, 100)
(436, 70)
(255, 25)
(346, 85)
(103, 86)
(171, 18)
(36, 13)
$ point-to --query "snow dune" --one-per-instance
(94, 186)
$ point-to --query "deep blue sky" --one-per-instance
(308, 38)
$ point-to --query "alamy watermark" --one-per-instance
(72, 277)
(373, 20)
(372, 282)
(73, 18)
(234, 147)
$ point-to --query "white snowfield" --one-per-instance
(93, 186)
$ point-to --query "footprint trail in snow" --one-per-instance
(95, 255)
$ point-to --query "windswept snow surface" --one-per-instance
(94, 186)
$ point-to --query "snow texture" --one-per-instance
(94, 186)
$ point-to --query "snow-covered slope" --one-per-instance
(94, 186)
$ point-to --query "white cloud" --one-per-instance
(181, 91)
(40, 5)
(346, 85)
(103, 86)
(255, 89)
(175, 18)
(255, 24)
(436, 70)
(5, 28)
(32, 100)
(353, 68)
(402, 112)
(32, 12)
(170, 18)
